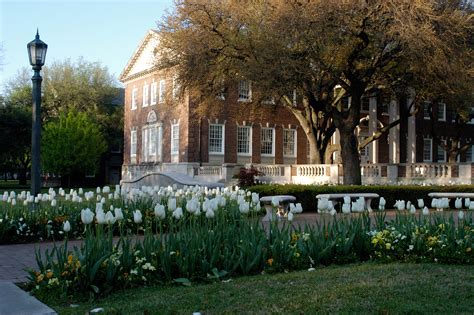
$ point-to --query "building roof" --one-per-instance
(142, 60)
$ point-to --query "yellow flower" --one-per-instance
(49, 274)
(39, 278)
(388, 246)
(270, 262)
(69, 259)
(468, 250)
(294, 237)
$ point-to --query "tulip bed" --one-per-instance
(169, 235)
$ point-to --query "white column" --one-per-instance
(373, 147)
(336, 140)
(411, 139)
(394, 134)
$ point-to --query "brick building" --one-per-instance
(162, 133)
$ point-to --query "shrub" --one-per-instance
(246, 176)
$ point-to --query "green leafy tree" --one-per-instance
(72, 145)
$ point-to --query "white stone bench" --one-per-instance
(451, 195)
(336, 198)
(284, 201)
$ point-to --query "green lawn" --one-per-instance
(363, 288)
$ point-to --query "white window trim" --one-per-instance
(175, 87)
(134, 99)
(426, 103)
(273, 142)
(431, 150)
(145, 95)
(132, 133)
(174, 151)
(223, 140)
(146, 140)
(443, 118)
(154, 93)
(249, 99)
(444, 152)
(161, 92)
(295, 135)
(472, 155)
(250, 141)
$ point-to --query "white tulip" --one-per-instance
(98, 190)
(323, 204)
(434, 203)
(332, 211)
(299, 208)
(109, 218)
(471, 206)
(178, 213)
(118, 214)
(347, 200)
(426, 211)
(160, 211)
(458, 203)
(137, 216)
(412, 209)
(244, 207)
(87, 216)
(421, 203)
(346, 208)
(66, 226)
(290, 216)
(171, 204)
(13, 202)
(100, 216)
(255, 198)
(461, 215)
(210, 214)
(467, 203)
(53, 203)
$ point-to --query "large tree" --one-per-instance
(324, 50)
(72, 145)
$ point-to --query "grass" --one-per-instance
(361, 288)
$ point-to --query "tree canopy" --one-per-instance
(324, 50)
(72, 144)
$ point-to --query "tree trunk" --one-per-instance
(350, 157)
(315, 154)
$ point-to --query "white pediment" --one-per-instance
(144, 56)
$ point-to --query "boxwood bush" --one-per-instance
(306, 194)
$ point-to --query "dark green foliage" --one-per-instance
(306, 194)
(246, 177)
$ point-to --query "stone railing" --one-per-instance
(271, 170)
(428, 170)
(312, 170)
(371, 170)
(131, 172)
(208, 170)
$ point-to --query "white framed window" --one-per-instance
(174, 138)
(216, 139)
(154, 93)
(267, 142)
(427, 150)
(244, 136)
(134, 98)
(161, 95)
(289, 142)
(133, 144)
(245, 91)
(441, 152)
(470, 154)
(145, 95)
(151, 143)
(441, 112)
(426, 110)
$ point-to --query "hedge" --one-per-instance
(306, 194)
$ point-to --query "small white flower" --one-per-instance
(137, 216)
(66, 226)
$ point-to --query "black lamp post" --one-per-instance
(37, 54)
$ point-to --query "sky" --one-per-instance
(105, 31)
